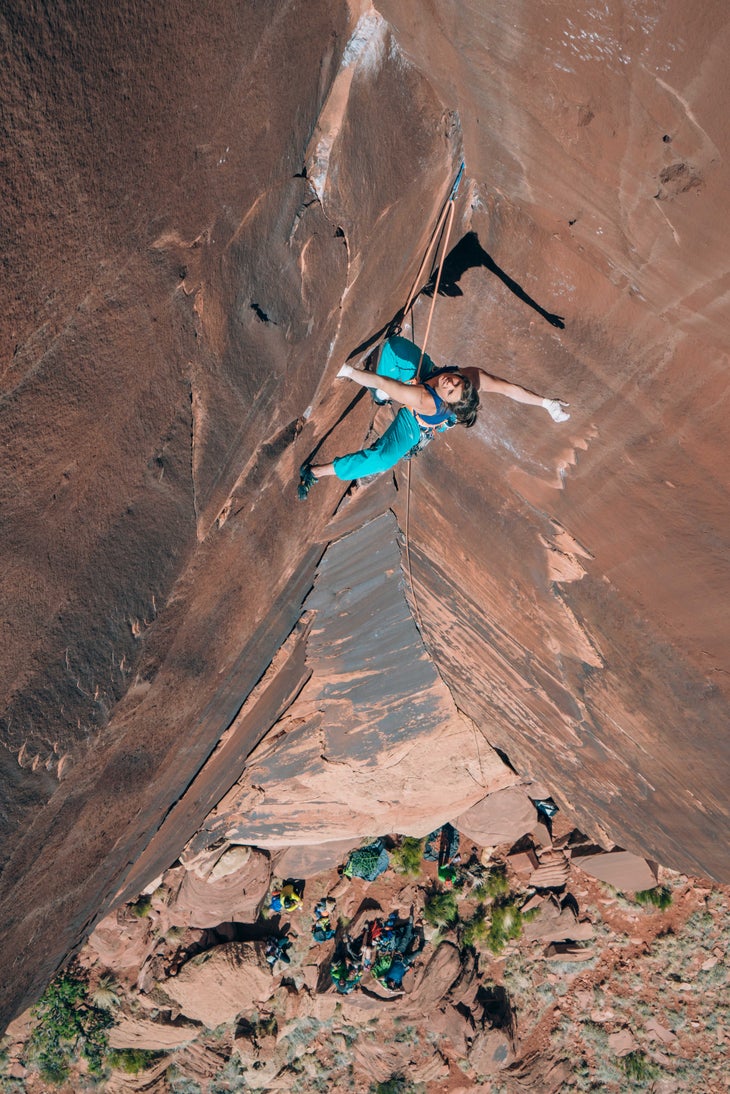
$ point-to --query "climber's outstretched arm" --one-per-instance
(413, 396)
(486, 383)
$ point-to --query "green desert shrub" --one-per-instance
(494, 886)
(506, 923)
(397, 1084)
(638, 1068)
(476, 929)
(440, 909)
(68, 1026)
(660, 897)
(132, 1060)
(141, 907)
(406, 857)
(493, 926)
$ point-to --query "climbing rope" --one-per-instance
(446, 218)
(446, 212)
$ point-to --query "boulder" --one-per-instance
(378, 1060)
(552, 873)
(231, 889)
(491, 1050)
(556, 924)
(622, 1042)
(256, 1047)
(501, 817)
(568, 951)
(217, 985)
(523, 862)
(541, 834)
(659, 1032)
(434, 980)
(433, 1070)
(457, 1028)
(625, 871)
(122, 942)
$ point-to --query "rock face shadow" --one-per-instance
(468, 254)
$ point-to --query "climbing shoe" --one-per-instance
(379, 396)
(307, 479)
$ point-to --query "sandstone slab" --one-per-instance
(308, 861)
(501, 817)
(372, 726)
(219, 984)
(233, 889)
(142, 1033)
(622, 869)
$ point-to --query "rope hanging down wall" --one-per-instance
(443, 228)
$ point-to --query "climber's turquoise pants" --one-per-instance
(399, 360)
(397, 441)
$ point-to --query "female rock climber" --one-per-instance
(447, 396)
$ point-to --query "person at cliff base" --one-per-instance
(322, 929)
(446, 397)
(288, 898)
(396, 972)
(398, 946)
(346, 975)
(276, 950)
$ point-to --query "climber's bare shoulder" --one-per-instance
(481, 379)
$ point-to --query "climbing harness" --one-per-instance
(431, 424)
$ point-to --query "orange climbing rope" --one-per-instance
(446, 217)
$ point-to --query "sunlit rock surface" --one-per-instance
(373, 739)
(204, 217)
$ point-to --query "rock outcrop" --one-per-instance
(195, 242)
(229, 886)
(216, 986)
(625, 871)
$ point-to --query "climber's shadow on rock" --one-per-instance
(468, 254)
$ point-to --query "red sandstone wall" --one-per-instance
(181, 297)
(581, 603)
(179, 293)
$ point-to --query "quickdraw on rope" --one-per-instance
(446, 218)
